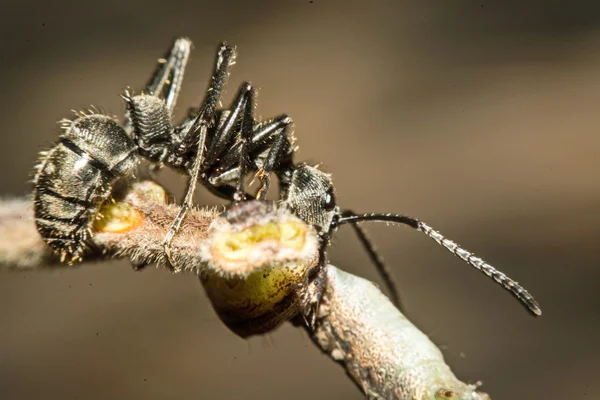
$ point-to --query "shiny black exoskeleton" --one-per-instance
(76, 176)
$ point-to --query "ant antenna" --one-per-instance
(517, 290)
(378, 261)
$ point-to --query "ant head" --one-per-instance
(311, 197)
(150, 118)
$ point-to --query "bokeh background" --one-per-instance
(479, 117)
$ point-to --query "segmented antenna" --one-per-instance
(499, 277)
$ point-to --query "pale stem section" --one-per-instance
(381, 350)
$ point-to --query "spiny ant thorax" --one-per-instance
(150, 117)
(151, 126)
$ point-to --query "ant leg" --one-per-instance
(195, 134)
(243, 106)
(274, 156)
(169, 72)
(261, 140)
(225, 59)
(246, 137)
(267, 130)
(377, 260)
(224, 191)
(312, 296)
(270, 128)
(173, 84)
(167, 78)
(189, 197)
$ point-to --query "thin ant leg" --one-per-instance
(502, 279)
(312, 296)
(223, 191)
(196, 135)
(228, 170)
(243, 108)
(169, 72)
(380, 265)
(270, 128)
(256, 143)
(275, 153)
(243, 104)
(165, 82)
(216, 183)
(225, 58)
(189, 197)
(173, 84)
(246, 137)
(245, 101)
(167, 78)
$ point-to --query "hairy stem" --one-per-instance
(356, 325)
(22, 247)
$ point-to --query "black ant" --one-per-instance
(309, 193)
(76, 176)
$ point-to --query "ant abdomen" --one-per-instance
(75, 177)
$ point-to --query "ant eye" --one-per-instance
(329, 201)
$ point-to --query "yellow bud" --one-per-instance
(118, 218)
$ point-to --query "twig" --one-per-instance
(20, 244)
(381, 350)
(22, 247)
(357, 326)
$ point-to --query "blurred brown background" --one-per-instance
(481, 118)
